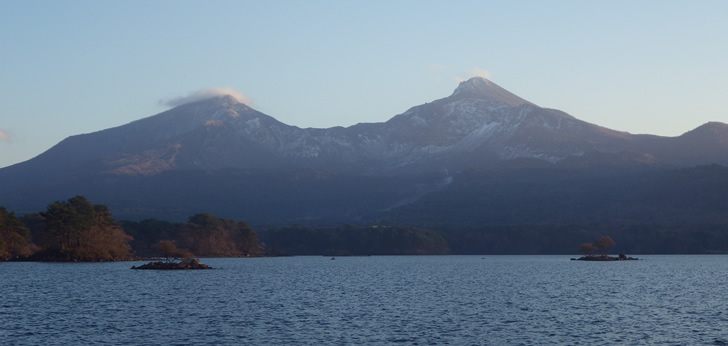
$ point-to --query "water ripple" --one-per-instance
(496, 300)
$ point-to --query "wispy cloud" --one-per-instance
(204, 94)
(436, 67)
(5, 136)
(437, 71)
(475, 72)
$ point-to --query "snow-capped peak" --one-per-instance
(481, 88)
(474, 84)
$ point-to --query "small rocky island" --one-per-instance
(597, 251)
(176, 259)
(187, 263)
(621, 257)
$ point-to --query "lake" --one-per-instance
(423, 300)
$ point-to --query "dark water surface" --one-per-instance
(424, 300)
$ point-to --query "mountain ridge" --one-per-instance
(478, 114)
(423, 150)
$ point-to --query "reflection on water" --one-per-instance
(370, 300)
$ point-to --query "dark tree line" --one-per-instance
(77, 230)
(352, 240)
(203, 234)
(532, 239)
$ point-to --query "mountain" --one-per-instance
(219, 154)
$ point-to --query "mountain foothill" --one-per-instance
(482, 167)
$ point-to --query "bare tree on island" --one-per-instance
(587, 249)
(603, 244)
(169, 250)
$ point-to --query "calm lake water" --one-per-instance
(423, 300)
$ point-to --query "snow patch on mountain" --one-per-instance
(483, 122)
(252, 125)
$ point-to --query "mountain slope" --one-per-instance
(414, 154)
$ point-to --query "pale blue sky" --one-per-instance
(71, 67)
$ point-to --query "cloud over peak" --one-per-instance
(204, 94)
(475, 72)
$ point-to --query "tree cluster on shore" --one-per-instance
(15, 240)
(77, 230)
(203, 234)
(72, 230)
